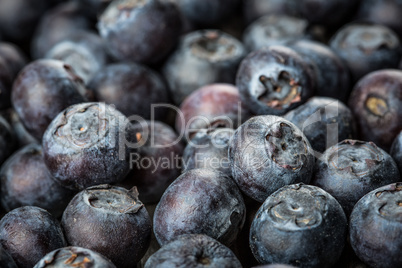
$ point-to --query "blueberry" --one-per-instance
(254, 9)
(274, 80)
(376, 104)
(131, 32)
(353, 168)
(203, 57)
(193, 250)
(43, 89)
(74, 257)
(268, 152)
(8, 142)
(88, 144)
(210, 107)
(157, 161)
(20, 134)
(396, 151)
(6, 261)
(209, 149)
(200, 201)
(111, 221)
(366, 48)
(300, 225)
(376, 227)
(132, 88)
(29, 233)
(25, 181)
(324, 121)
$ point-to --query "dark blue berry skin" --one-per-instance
(366, 48)
(22, 136)
(162, 149)
(267, 153)
(324, 121)
(74, 257)
(8, 141)
(57, 25)
(376, 104)
(396, 151)
(132, 34)
(200, 201)
(376, 227)
(29, 233)
(275, 266)
(132, 88)
(274, 80)
(207, 12)
(84, 51)
(191, 251)
(203, 57)
(351, 169)
(333, 77)
(300, 225)
(6, 261)
(254, 9)
(25, 181)
(209, 149)
(88, 144)
(109, 220)
(274, 29)
(42, 90)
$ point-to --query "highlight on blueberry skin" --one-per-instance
(376, 227)
(300, 225)
(74, 257)
(267, 153)
(200, 201)
(111, 221)
(193, 250)
(29, 233)
(88, 144)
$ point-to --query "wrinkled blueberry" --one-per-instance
(366, 48)
(29, 233)
(376, 103)
(376, 227)
(25, 181)
(267, 153)
(274, 80)
(132, 88)
(88, 144)
(203, 57)
(193, 250)
(396, 151)
(42, 90)
(131, 32)
(74, 257)
(200, 201)
(111, 221)
(353, 168)
(324, 121)
(300, 225)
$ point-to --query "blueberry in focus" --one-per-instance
(193, 250)
(351, 169)
(267, 153)
(200, 201)
(131, 32)
(25, 181)
(74, 257)
(109, 220)
(42, 90)
(324, 121)
(203, 57)
(88, 144)
(132, 88)
(376, 104)
(396, 151)
(156, 163)
(376, 227)
(366, 48)
(274, 80)
(29, 233)
(209, 149)
(300, 225)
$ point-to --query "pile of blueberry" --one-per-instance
(201, 133)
